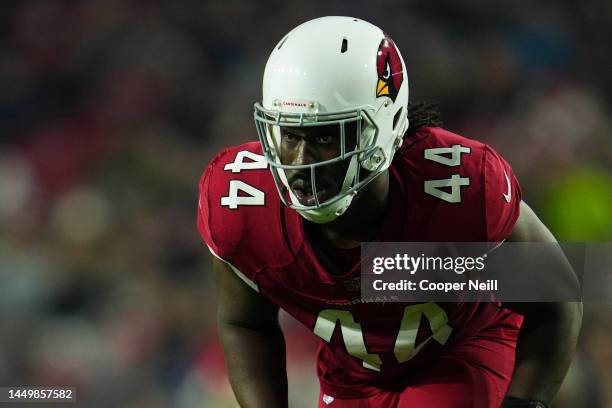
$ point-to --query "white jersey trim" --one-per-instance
(241, 275)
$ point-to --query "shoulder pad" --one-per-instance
(239, 210)
(455, 187)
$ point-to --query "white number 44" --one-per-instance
(434, 187)
(405, 343)
(250, 195)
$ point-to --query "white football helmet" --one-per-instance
(334, 71)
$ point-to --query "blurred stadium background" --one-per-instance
(110, 110)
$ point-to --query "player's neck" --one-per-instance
(363, 219)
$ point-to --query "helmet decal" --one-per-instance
(389, 69)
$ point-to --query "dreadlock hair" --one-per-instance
(420, 115)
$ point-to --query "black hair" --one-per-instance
(422, 114)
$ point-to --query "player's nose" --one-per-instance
(303, 153)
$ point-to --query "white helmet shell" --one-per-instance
(332, 70)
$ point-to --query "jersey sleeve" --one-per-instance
(205, 220)
(211, 225)
(238, 213)
(502, 196)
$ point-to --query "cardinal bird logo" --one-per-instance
(389, 68)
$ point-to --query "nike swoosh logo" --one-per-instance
(508, 195)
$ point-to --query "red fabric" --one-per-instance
(268, 245)
(474, 374)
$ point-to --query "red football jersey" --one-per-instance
(443, 188)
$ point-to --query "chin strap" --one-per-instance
(328, 213)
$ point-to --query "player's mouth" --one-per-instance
(303, 192)
(306, 197)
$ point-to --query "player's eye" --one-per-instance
(289, 137)
(387, 73)
(324, 139)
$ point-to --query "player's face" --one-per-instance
(308, 145)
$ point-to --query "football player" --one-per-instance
(342, 159)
